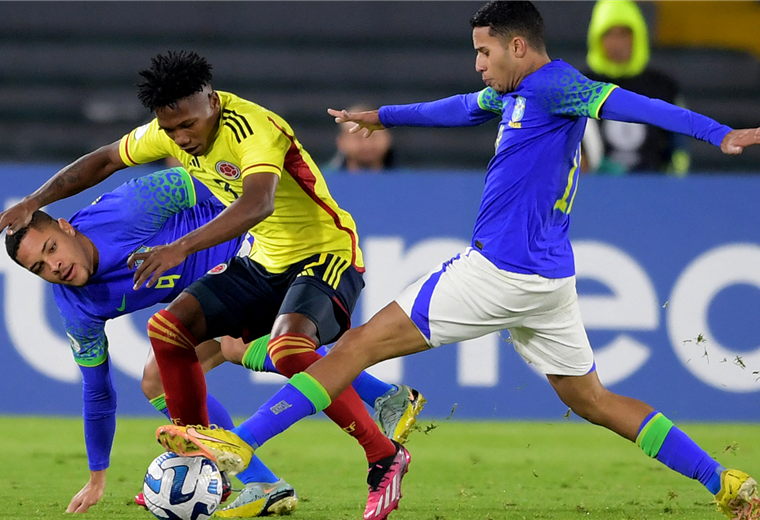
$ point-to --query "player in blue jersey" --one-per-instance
(519, 272)
(86, 259)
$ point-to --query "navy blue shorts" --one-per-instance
(242, 299)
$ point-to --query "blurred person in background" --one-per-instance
(618, 52)
(357, 154)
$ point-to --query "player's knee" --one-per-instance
(588, 405)
(186, 309)
(288, 354)
(360, 345)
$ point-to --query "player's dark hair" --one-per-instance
(509, 19)
(40, 220)
(171, 77)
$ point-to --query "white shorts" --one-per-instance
(469, 297)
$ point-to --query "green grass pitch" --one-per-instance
(460, 470)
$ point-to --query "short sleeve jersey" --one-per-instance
(142, 213)
(252, 140)
(530, 186)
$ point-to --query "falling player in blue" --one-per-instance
(519, 272)
(86, 260)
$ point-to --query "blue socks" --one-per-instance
(370, 388)
(660, 439)
(218, 414)
(285, 408)
(257, 472)
(683, 455)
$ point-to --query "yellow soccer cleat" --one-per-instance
(737, 497)
(260, 499)
(230, 453)
(397, 412)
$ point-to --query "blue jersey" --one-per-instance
(524, 216)
(145, 212)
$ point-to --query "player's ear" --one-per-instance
(519, 46)
(66, 227)
(213, 99)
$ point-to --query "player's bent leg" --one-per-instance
(389, 334)
(151, 379)
(188, 311)
(209, 354)
(587, 398)
(234, 350)
(293, 349)
(396, 407)
(735, 491)
(174, 347)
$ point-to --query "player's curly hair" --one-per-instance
(40, 220)
(508, 19)
(171, 77)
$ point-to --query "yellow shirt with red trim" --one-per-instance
(251, 140)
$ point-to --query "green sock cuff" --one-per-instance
(256, 354)
(159, 403)
(312, 389)
(653, 434)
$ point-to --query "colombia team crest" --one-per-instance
(218, 269)
(228, 170)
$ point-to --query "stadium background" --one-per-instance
(668, 272)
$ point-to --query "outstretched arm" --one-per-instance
(461, 110)
(623, 105)
(85, 172)
(99, 399)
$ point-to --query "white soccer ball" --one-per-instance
(182, 488)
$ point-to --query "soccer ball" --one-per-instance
(182, 488)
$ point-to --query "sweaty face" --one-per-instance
(55, 254)
(618, 44)
(193, 123)
(496, 65)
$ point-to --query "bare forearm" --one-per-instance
(85, 172)
(231, 223)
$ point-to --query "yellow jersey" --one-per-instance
(251, 140)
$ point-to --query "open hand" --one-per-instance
(736, 140)
(154, 263)
(368, 121)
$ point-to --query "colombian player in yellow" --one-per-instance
(300, 281)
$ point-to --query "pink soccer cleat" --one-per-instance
(384, 481)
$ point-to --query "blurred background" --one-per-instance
(68, 69)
